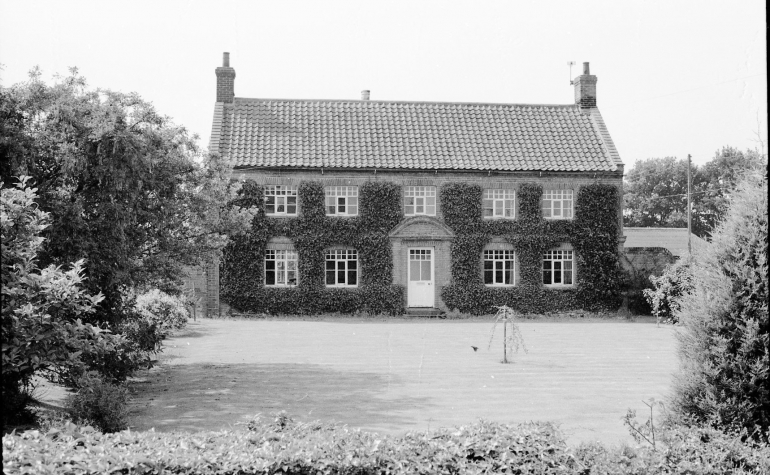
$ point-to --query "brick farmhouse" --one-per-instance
(422, 148)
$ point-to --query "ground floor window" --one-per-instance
(499, 267)
(280, 267)
(558, 268)
(341, 268)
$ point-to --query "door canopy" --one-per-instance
(422, 227)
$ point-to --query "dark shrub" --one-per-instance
(99, 403)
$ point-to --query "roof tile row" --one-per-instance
(374, 134)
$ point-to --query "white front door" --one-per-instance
(421, 289)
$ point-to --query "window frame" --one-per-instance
(558, 196)
(512, 258)
(550, 256)
(485, 197)
(337, 258)
(281, 191)
(426, 194)
(351, 192)
(287, 256)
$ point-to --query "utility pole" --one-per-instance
(689, 217)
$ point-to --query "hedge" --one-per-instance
(285, 446)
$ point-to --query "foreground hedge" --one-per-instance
(288, 447)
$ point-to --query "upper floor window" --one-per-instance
(280, 267)
(341, 200)
(557, 204)
(281, 200)
(500, 267)
(420, 200)
(341, 268)
(499, 204)
(558, 268)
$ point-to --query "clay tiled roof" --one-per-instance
(673, 239)
(414, 135)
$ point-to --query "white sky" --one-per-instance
(675, 77)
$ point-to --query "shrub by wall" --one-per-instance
(593, 234)
(312, 232)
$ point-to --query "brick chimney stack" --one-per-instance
(225, 80)
(585, 88)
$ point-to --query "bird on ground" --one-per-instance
(475, 348)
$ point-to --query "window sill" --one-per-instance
(281, 286)
(341, 215)
(559, 219)
(281, 215)
(499, 218)
(500, 286)
(559, 286)
(341, 286)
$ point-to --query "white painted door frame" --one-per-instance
(421, 292)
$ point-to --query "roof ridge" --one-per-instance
(353, 101)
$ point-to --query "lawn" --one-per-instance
(396, 375)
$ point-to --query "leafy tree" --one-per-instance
(656, 190)
(42, 309)
(126, 189)
(717, 180)
(655, 193)
(724, 345)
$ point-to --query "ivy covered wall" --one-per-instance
(242, 267)
(593, 235)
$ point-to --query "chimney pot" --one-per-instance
(365, 95)
(225, 60)
(586, 69)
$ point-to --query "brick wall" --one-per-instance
(225, 84)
